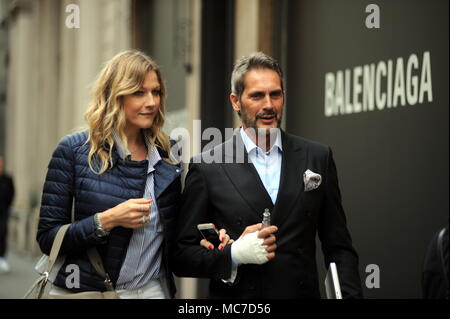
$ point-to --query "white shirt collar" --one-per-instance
(250, 145)
(123, 152)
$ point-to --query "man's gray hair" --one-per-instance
(257, 60)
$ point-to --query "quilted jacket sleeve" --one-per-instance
(56, 205)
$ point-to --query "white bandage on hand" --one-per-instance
(249, 250)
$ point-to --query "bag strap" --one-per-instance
(92, 253)
(94, 257)
(56, 247)
(96, 261)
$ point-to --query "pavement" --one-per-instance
(14, 284)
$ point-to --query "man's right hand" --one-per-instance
(255, 245)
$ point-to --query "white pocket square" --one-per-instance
(312, 180)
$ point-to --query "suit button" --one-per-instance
(301, 283)
(239, 222)
(308, 213)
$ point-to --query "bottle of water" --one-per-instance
(266, 218)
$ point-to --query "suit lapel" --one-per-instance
(244, 177)
(291, 181)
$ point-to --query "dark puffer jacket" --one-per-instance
(69, 177)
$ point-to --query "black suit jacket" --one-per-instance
(231, 195)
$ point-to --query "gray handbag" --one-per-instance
(37, 290)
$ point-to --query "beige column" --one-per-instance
(116, 26)
(104, 31)
(253, 31)
(246, 27)
(193, 80)
(22, 109)
(188, 288)
(67, 74)
(87, 56)
(42, 129)
(47, 93)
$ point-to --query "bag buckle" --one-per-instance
(46, 275)
(108, 283)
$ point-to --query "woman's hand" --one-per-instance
(133, 213)
(224, 240)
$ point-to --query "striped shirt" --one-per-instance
(143, 260)
(267, 164)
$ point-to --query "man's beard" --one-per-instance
(251, 122)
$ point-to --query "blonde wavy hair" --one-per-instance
(124, 74)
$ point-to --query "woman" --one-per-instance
(123, 185)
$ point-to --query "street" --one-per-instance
(14, 284)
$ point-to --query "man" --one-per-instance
(294, 178)
(6, 197)
(435, 267)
